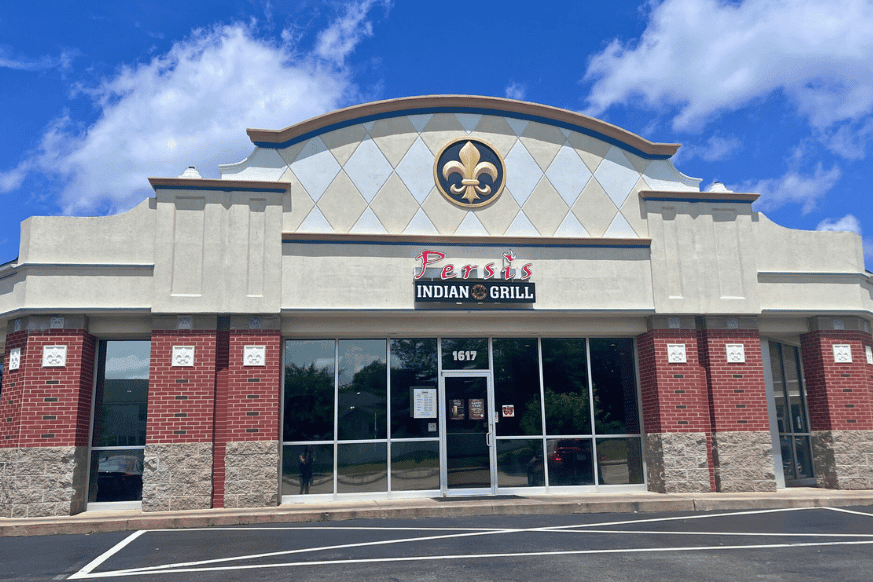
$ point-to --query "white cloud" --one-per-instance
(705, 57)
(792, 187)
(848, 223)
(130, 366)
(20, 63)
(516, 91)
(189, 106)
(713, 149)
(339, 39)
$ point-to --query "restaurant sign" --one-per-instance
(470, 284)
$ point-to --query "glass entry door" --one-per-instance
(469, 434)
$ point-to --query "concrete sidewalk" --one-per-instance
(106, 521)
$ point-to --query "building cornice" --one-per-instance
(222, 185)
(425, 104)
(667, 196)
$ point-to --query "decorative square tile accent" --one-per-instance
(732, 323)
(867, 326)
(839, 324)
(16, 326)
(184, 322)
(255, 323)
(675, 323)
(842, 353)
(57, 323)
(15, 359)
(676, 353)
(54, 356)
(736, 353)
(183, 356)
(255, 356)
(867, 349)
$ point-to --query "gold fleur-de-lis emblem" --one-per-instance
(469, 173)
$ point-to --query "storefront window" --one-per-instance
(791, 417)
(465, 354)
(309, 390)
(565, 387)
(363, 389)
(517, 385)
(120, 410)
(413, 375)
(614, 384)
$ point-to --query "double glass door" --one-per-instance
(469, 434)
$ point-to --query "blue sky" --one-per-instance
(767, 96)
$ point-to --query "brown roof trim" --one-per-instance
(225, 185)
(436, 103)
(464, 240)
(698, 196)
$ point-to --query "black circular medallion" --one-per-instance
(469, 173)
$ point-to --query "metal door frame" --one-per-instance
(490, 437)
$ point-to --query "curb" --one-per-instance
(102, 522)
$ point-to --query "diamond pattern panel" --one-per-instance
(420, 224)
(394, 205)
(543, 142)
(545, 208)
(446, 217)
(471, 226)
(416, 170)
(315, 222)
(368, 169)
(497, 217)
(394, 136)
(521, 226)
(495, 131)
(468, 120)
(594, 209)
(342, 204)
(301, 204)
(315, 167)
(620, 228)
(343, 142)
(368, 223)
(571, 227)
(617, 175)
(440, 130)
(634, 210)
(589, 149)
(522, 173)
(568, 174)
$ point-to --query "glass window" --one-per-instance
(619, 461)
(571, 462)
(614, 385)
(520, 463)
(565, 387)
(415, 465)
(309, 390)
(307, 469)
(517, 386)
(414, 372)
(465, 354)
(363, 390)
(120, 411)
(791, 419)
(362, 468)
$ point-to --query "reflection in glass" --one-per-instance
(614, 385)
(794, 389)
(122, 394)
(619, 461)
(571, 462)
(309, 390)
(363, 390)
(116, 475)
(465, 354)
(804, 457)
(517, 385)
(565, 386)
(788, 465)
(468, 463)
(307, 469)
(362, 468)
(778, 387)
(413, 366)
(520, 463)
(415, 466)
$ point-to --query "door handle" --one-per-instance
(488, 439)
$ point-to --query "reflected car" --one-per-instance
(570, 462)
(119, 478)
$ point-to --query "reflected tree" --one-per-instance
(308, 403)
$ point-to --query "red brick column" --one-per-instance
(742, 445)
(840, 407)
(675, 413)
(179, 430)
(249, 439)
(44, 427)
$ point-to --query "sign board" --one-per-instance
(475, 292)
(424, 402)
(477, 408)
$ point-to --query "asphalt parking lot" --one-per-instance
(783, 544)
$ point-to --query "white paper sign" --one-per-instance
(424, 402)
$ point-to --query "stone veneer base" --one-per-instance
(251, 474)
(843, 459)
(743, 461)
(42, 481)
(677, 462)
(177, 476)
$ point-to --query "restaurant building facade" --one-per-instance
(430, 296)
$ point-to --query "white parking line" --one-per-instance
(469, 557)
(83, 573)
(849, 511)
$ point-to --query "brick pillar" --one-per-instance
(675, 411)
(45, 418)
(181, 407)
(840, 409)
(741, 442)
(251, 438)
